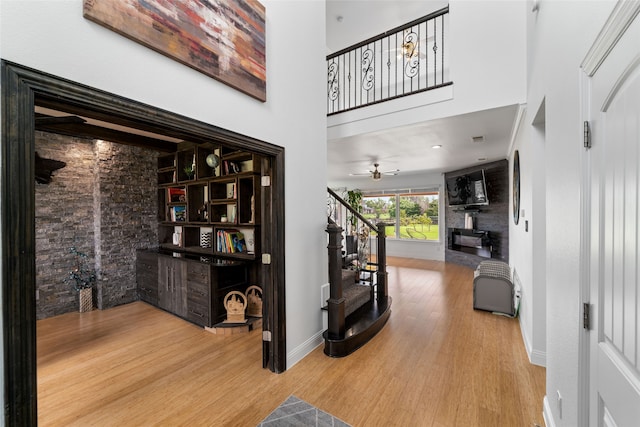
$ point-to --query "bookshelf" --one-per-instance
(210, 211)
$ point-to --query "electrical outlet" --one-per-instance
(324, 295)
(559, 402)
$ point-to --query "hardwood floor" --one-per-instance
(437, 362)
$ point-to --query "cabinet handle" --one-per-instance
(196, 313)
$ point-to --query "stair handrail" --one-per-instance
(352, 210)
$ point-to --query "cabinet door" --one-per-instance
(180, 287)
(165, 283)
(147, 276)
(172, 282)
(199, 293)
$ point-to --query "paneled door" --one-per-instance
(612, 94)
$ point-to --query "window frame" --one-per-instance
(397, 194)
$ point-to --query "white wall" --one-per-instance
(527, 239)
(561, 33)
(53, 37)
(487, 47)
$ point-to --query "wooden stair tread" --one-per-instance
(360, 328)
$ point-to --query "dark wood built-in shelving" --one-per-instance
(208, 232)
(224, 199)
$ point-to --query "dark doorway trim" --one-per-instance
(22, 90)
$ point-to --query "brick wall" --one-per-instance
(103, 203)
(64, 218)
(126, 182)
(493, 217)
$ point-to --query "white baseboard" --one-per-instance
(536, 357)
(299, 353)
(546, 413)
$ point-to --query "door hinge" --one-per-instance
(586, 316)
(266, 181)
(266, 336)
(587, 135)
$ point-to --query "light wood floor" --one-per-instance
(437, 362)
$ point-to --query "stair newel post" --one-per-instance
(381, 274)
(336, 302)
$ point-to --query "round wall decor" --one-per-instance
(516, 187)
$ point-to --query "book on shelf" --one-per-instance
(231, 167)
(230, 241)
(177, 195)
(178, 213)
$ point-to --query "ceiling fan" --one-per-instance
(376, 175)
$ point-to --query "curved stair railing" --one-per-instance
(357, 245)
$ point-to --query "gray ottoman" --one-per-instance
(492, 288)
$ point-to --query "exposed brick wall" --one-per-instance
(103, 203)
(127, 184)
(493, 218)
(64, 218)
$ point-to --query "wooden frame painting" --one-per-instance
(224, 39)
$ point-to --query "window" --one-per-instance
(379, 209)
(408, 215)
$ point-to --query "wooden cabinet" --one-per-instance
(209, 224)
(192, 287)
(172, 283)
(147, 276)
(199, 307)
(202, 209)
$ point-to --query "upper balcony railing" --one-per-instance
(406, 60)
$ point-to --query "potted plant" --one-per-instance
(354, 198)
(82, 278)
(189, 171)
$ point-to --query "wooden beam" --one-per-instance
(83, 130)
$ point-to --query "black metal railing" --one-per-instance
(406, 60)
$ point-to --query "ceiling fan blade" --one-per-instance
(360, 174)
(391, 172)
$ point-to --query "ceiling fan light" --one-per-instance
(376, 175)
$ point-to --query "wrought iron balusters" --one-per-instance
(403, 61)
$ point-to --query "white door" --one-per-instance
(613, 164)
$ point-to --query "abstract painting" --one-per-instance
(224, 39)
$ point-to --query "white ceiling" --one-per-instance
(408, 148)
(362, 19)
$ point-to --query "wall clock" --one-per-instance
(516, 187)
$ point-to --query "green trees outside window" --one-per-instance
(407, 215)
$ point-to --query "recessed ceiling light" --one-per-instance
(477, 138)
(436, 146)
(482, 159)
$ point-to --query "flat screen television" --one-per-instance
(467, 190)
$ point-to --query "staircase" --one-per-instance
(358, 306)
